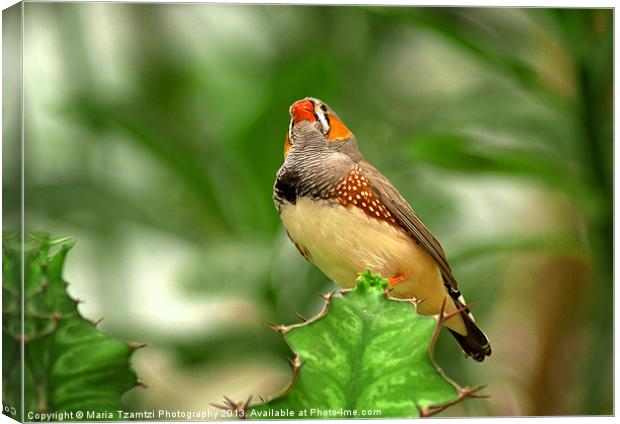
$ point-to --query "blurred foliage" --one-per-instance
(70, 366)
(363, 354)
(168, 121)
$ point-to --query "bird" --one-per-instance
(345, 217)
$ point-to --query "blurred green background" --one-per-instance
(154, 132)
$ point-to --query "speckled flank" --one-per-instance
(355, 190)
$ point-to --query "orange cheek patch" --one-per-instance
(337, 130)
(287, 145)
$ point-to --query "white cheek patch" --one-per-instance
(322, 118)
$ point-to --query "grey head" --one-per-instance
(319, 151)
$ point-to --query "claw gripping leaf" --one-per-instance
(365, 355)
(68, 364)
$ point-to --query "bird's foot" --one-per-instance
(397, 279)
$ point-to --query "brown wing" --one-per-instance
(408, 220)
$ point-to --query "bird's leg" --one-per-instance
(397, 279)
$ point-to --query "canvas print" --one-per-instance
(225, 211)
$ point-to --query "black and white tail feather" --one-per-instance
(475, 343)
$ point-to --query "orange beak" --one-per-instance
(302, 110)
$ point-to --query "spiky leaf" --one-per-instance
(69, 365)
(364, 352)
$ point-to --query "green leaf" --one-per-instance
(470, 32)
(565, 242)
(69, 365)
(464, 154)
(364, 354)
